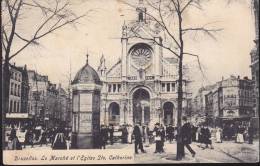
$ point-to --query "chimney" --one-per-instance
(222, 78)
(238, 77)
(14, 63)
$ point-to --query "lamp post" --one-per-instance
(105, 120)
(125, 109)
(159, 112)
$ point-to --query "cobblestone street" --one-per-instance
(227, 151)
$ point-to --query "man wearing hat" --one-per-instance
(186, 136)
(138, 138)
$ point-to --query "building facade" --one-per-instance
(255, 58)
(141, 87)
(18, 113)
(47, 102)
(230, 101)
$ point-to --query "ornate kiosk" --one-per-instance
(86, 88)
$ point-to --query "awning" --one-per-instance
(18, 115)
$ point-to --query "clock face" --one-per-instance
(141, 56)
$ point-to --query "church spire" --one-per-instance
(87, 58)
(141, 11)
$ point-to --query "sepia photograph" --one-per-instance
(129, 81)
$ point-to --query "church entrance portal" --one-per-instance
(114, 114)
(141, 107)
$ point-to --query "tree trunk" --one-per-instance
(180, 146)
(5, 97)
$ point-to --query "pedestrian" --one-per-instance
(59, 140)
(130, 133)
(186, 136)
(250, 133)
(157, 137)
(43, 138)
(202, 135)
(14, 143)
(170, 133)
(193, 132)
(124, 134)
(162, 135)
(240, 138)
(147, 135)
(103, 137)
(138, 138)
(111, 134)
(208, 138)
(218, 135)
(29, 138)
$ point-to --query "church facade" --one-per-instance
(141, 87)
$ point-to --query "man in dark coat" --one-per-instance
(29, 138)
(124, 134)
(157, 138)
(250, 134)
(103, 137)
(170, 133)
(138, 139)
(111, 134)
(208, 138)
(186, 136)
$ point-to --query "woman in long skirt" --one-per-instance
(240, 137)
(130, 133)
(218, 135)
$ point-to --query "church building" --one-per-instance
(141, 87)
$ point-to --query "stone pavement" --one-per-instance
(228, 151)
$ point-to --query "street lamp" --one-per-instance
(105, 120)
(125, 109)
(159, 112)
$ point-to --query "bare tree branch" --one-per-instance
(20, 37)
(188, 3)
(209, 32)
(5, 35)
(165, 27)
(42, 35)
(199, 63)
(160, 44)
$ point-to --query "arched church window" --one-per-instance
(119, 87)
(163, 87)
(114, 87)
(141, 17)
(168, 87)
(109, 87)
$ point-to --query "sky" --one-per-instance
(100, 33)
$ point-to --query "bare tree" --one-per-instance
(168, 15)
(55, 15)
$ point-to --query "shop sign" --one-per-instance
(230, 113)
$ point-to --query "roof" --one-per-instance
(87, 75)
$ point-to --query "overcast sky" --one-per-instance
(101, 32)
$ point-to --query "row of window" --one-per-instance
(245, 93)
(14, 106)
(16, 76)
(168, 87)
(15, 89)
(114, 88)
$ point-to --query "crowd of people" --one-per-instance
(58, 137)
(140, 134)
